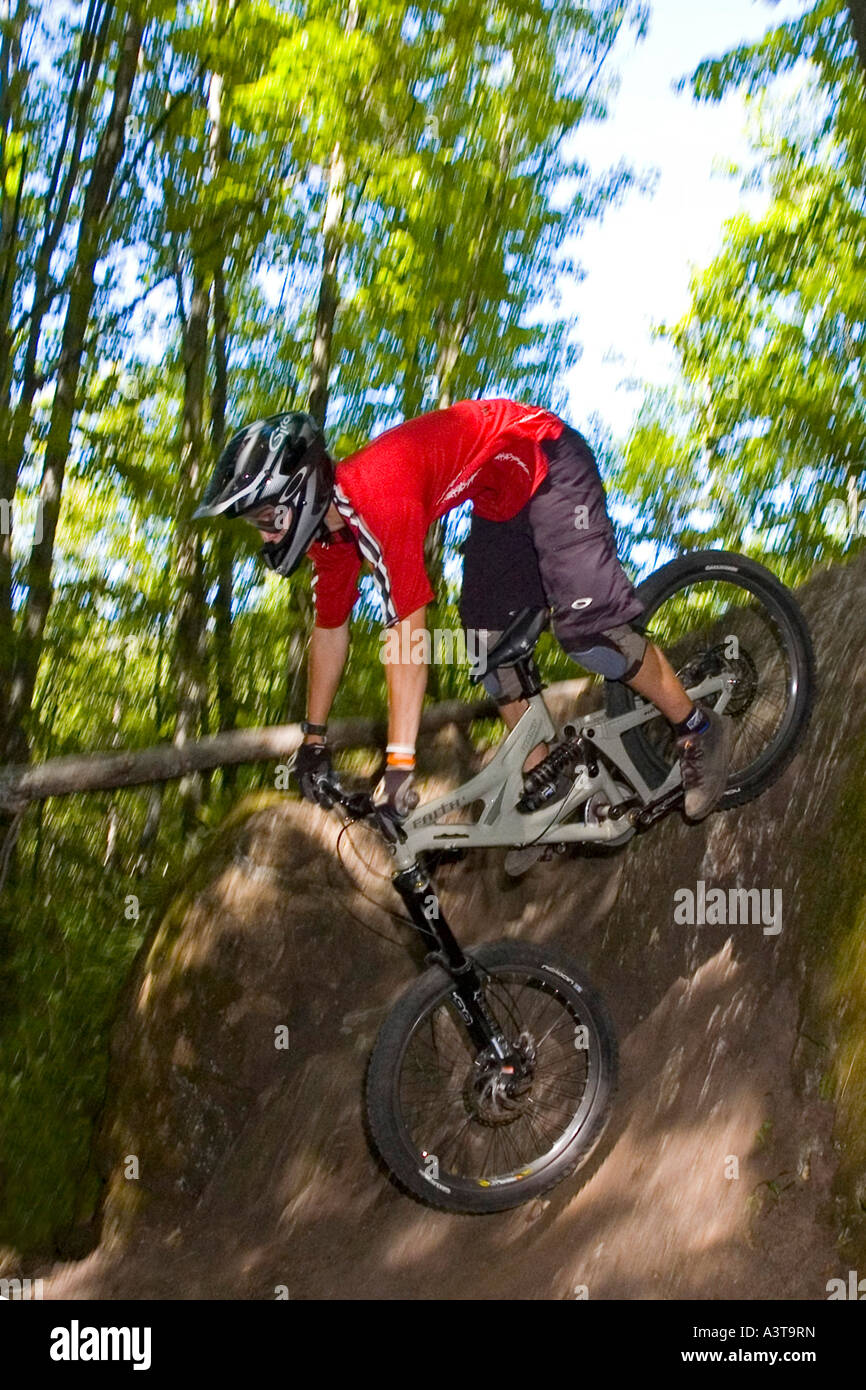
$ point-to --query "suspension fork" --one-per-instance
(422, 903)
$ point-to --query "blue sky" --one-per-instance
(638, 258)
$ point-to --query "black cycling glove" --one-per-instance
(312, 763)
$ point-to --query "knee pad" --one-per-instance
(616, 654)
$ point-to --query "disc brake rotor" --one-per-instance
(498, 1092)
(716, 662)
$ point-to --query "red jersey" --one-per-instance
(390, 492)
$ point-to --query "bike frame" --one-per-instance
(499, 786)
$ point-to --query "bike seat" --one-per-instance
(516, 643)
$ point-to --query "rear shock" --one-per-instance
(543, 782)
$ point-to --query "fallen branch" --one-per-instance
(87, 772)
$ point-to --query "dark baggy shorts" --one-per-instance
(558, 551)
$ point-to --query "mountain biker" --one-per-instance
(540, 537)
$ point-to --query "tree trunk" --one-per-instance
(332, 233)
(150, 831)
(300, 618)
(414, 386)
(12, 172)
(113, 811)
(852, 491)
(13, 237)
(189, 673)
(91, 239)
(224, 545)
(857, 16)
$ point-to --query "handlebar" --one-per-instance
(361, 806)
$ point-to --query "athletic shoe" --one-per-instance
(704, 758)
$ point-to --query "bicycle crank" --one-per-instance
(657, 810)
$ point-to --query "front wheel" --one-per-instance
(716, 613)
(460, 1130)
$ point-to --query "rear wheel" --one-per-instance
(715, 613)
(460, 1130)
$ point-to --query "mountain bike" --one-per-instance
(492, 1078)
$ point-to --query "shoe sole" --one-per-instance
(517, 861)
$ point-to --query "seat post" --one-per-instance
(515, 647)
(528, 675)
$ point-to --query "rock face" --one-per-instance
(255, 975)
(735, 1160)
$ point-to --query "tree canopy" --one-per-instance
(765, 448)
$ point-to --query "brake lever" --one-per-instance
(333, 794)
(360, 805)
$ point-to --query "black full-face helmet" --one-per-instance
(280, 462)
